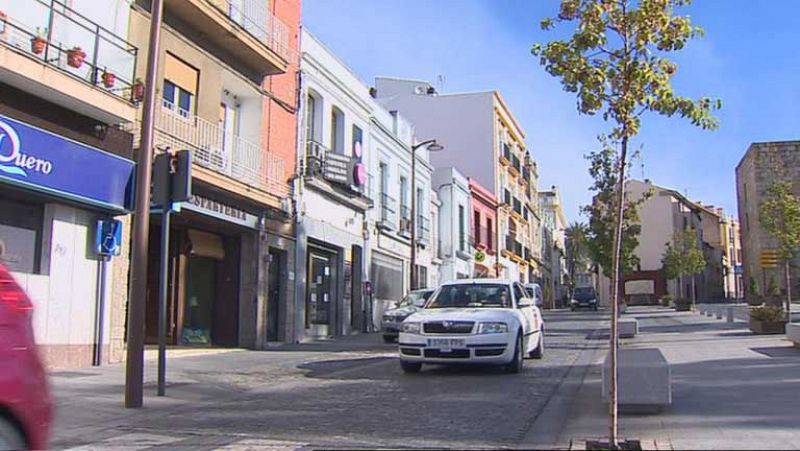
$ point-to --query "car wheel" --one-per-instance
(10, 436)
(410, 367)
(538, 353)
(515, 366)
(388, 339)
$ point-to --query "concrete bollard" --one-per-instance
(730, 314)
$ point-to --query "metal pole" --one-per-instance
(162, 302)
(141, 221)
(413, 217)
(100, 313)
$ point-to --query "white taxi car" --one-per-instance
(487, 321)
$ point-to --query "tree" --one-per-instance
(615, 63)
(683, 257)
(602, 214)
(577, 251)
(779, 214)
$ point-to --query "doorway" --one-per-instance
(276, 262)
(200, 293)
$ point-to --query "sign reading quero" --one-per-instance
(221, 210)
(43, 161)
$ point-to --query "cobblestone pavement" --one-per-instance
(305, 397)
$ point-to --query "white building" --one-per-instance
(482, 139)
(454, 213)
(332, 197)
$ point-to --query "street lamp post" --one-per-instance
(432, 146)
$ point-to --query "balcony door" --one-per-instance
(229, 126)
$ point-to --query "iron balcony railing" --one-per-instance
(61, 37)
(513, 246)
(484, 238)
(221, 152)
(387, 208)
(423, 229)
(254, 16)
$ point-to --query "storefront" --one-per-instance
(213, 270)
(49, 215)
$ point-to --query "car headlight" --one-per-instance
(574, 301)
(388, 318)
(411, 328)
(492, 328)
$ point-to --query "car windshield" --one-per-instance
(415, 298)
(472, 296)
(530, 292)
(583, 293)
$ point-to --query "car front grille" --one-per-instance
(454, 354)
(448, 327)
(410, 351)
(489, 352)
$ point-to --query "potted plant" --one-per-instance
(137, 90)
(75, 57)
(39, 41)
(666, 300)
(767, 319)
(108, 79)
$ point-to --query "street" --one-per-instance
(323, 395)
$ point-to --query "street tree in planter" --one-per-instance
(779, 214)
(683, 257)
(615, 61)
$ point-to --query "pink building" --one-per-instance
(484, 229)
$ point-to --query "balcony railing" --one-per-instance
(63, 38)
(387, 209)
(423, 229)
(513, 246)
(219, 151)
(484, 238)
(255, 17)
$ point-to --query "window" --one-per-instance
(20, 236)
(180, 86)
(422, 277)
(461, 227)
(358, 137)
(311, 118)
(489, 232)
(405, 213)
(384, 181)
(337, 130)
(476, 232)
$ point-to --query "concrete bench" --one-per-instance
(793, 333)
(628, 327)
(643, 384)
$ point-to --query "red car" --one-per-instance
(26, 409)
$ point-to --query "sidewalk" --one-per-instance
(730, 389)
(89, 401)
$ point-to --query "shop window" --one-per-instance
(21, 236)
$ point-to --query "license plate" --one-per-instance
(445, 343)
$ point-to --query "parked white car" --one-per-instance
(484, 321)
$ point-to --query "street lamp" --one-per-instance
(432, 146)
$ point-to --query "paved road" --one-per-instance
(351, 393)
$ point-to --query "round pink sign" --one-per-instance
(357, 149)
(360, 174)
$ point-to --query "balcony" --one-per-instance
(513, 247)
(245, 28)
(53, 52)
(388, 212)
(423, 230)
(484, 239)
(220, 152)
(505, 155)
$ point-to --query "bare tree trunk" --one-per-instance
(694, 294)
(788, 291)
(615, 277)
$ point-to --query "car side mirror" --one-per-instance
(525, 302)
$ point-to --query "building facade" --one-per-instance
(555, 225)
(333, 198)
(227, 92)
(483, 139)
(61, 113)
(762, 165)
(483, 223)
(457, 251)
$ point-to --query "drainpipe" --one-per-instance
(299, 214)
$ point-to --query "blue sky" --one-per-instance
(750, 58)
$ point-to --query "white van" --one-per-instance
(535, 292)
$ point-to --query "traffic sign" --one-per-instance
(769, 258)
(108, 239)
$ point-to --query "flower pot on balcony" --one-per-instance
(137, 90)
(108, 79)
(75, 57)
(38, 44)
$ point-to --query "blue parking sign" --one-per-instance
(109, 237)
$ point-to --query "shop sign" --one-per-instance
(221, 210)
(344, 170)
(43, 161)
